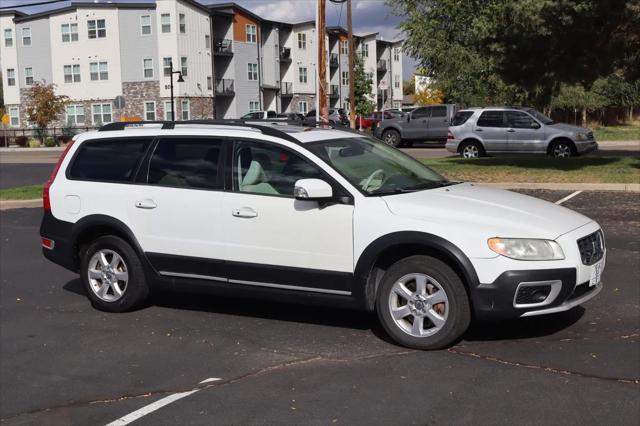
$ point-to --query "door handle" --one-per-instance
(478, 130)
(246, 212)
(146, 204)
(511, 131)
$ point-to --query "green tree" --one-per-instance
(619, 93)
(362, 88)
(577, 98)
(43, 105)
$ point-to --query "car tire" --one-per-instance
(422, 303)
(112, 275)
(472, 149)
(392, 137)
(562, 149)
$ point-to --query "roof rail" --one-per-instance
(269, 128)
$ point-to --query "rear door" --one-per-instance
(438, 123)
(418, 126)
(491, 128)
(525, 133)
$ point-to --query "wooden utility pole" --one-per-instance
(322, 63)
(352, 51)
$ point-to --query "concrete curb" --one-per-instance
(20, 204)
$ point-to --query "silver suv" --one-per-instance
(515, 130)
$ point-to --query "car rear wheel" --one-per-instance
(392, 137)
(472, 150)
(562, 149)
(422, 303)
(113, 276)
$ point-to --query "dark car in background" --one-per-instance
(430, 123)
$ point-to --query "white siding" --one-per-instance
(9, 59)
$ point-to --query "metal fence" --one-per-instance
(20, 136)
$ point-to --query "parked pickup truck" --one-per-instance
(260, 115)
(424, 123)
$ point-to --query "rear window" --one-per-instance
(108, 160)
(439, 111)
(185, 163)
(461, 117)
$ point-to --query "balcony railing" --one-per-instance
(333, 60)
(224, 87)
(286, 89)
(285, 54)
(334, 90)
(382, 65)
(222, 46)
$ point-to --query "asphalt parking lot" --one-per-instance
(62, 362)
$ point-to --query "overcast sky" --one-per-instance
(369, 16)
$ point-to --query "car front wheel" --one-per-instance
(562, 149)
(423, 304)
(392, 137)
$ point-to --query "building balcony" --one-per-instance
(333, 60)
(334, 91)
(286, 89)
(285, 54)
(224, 87)
(382, 65)
(222, 47)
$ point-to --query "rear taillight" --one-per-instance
(450, 135)
(48, 243)
(46, 202)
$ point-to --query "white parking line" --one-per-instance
(568, 197)
(125, 420)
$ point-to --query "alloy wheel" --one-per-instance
(562, 150)
(108, 275)
(470, 151)
(390, 139)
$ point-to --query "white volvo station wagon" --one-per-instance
(316, 215)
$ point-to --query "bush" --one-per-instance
(50, 142)
(21, 141)
(33, 143)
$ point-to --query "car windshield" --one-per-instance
(375, 168)
(540, 116)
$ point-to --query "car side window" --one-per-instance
(520, 120)
(271, 114)
(439, 111)
(108, 160)
(420, 113)
(491, 119)
(186, 163)
(268, 169)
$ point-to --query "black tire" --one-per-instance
(392, 137)
(458, 310)
(470, 147)
(562, 148)
(136, 290)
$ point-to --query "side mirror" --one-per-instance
(408, 117)
(312, 190)
(535, 125)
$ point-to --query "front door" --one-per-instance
(418, 126)
(272, 239)
(491, 128)
(525, 134)
(438, 123)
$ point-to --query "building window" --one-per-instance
(302, 74)
(101, 113)
(166, 66)
(98, 71)
(168, 116)
(344, 47)
(147, 68)
(14, 118)
(396, 81)
(28, 76)
(396, 54)
(365, 50)
(302, 41)
(72, 73)
(8, 38)
(252, 71)
(209, 83)
(150, 111)
(207, 41)
(184, 110)
(26, 36)
(165, 21)
(145, 25)
(254, 106)
(345, 78)
(183, 66)
(69, 32)
(11, 77)
(251, 33)
(75, 114)
(302, 107)
(182, 23)
(97, 28)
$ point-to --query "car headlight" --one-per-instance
(582, 136)
(526, 249)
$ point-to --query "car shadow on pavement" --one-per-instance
(540, 162)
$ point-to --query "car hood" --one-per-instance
(568, 127)
(495, 212)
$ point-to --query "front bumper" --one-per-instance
(586, 147)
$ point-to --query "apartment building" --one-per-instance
(115, 61)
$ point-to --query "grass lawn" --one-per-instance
(539, 169)
(618, 133)
(21, 193)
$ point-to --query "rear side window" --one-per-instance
(108, 160)
(439, 111)
(420, 113)
(461, 117)
(186, 163)
(491, 119)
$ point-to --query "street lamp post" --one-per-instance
(180, 80)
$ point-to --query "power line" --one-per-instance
(32, 4)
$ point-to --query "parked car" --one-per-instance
(292, 116)
(259, 115)
(334, 117)
(366, 121)
(344, 116)
(319, 215)
(424, 123)
(515, 130)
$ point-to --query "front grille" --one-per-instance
(590, 136)
(591, 248)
